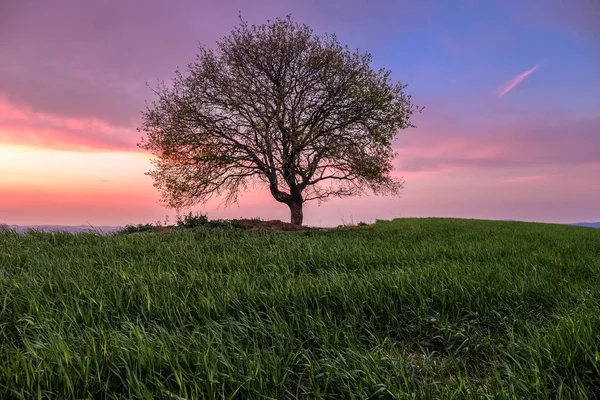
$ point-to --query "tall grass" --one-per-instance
(413, 308)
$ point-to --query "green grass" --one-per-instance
(413, 308)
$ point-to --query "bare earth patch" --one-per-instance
(253, 225)
(274, 224)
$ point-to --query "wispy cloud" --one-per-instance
(526, 179)
(471, 146)
(25, 127)
(510, 85)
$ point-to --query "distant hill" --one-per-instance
(588, 224)
(66, 228)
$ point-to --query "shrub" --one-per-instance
(201, 220)
(137, 228)
(192, 220)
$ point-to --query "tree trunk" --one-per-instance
(296, 212)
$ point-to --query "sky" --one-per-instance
(510, 129)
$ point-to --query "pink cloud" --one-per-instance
(22, 126)
(510, 85)
(488, 135)
(526, 179)
(89, 60)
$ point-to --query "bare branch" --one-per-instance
(276, 104)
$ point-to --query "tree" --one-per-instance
(277, 105)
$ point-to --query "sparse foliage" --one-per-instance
(277, 105)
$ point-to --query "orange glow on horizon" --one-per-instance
(35, 179)
(42, 167)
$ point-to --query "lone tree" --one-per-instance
(278, 105)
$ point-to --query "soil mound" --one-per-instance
(274, 224)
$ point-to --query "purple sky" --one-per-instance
(511, 127)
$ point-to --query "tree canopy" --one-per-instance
(276, 105)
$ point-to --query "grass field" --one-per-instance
(412, 308)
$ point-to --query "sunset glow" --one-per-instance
(71, 92)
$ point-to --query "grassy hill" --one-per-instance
(402, 309)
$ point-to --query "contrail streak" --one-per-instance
(510, 85)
